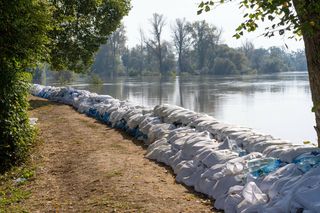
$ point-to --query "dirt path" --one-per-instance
(84, 166)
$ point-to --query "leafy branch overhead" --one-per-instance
(81, 27)
(281, 13)
(65, 34)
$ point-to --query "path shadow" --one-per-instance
(189, 189)
(124, 135)
(38, 103)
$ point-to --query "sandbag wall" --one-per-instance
(243, 170)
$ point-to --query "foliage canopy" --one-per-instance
(64, 33)
(281, 13)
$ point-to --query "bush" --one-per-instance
(224, 66)
(64, 77)
(273, 65)
(16, 134)
(95, 79)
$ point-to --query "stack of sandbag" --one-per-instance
(243, 170)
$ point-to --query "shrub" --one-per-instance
(95, 79)
(16, 134)
(224, 66)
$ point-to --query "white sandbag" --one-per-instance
(157, 143)
(307, 195)
(204, 125)
(288, 155)
(147, 123)
(194, 178)
(287, 198)
(166, 156)
(237, 166)
(218, 157)
(179, 140)
(203, 184)
(269, 186)
(158, 131)
(157, 152)
(234, 197)
(184, 168)
(176, 160)
(262, 145)
(252, 196)
(134, 120)
(221, 188)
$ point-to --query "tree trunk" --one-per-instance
(114, 72)
(160, 60)
(312, 45)
(180, 61)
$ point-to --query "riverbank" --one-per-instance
(240, 168)
(85, 166)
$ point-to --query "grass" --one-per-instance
(116, 204)
(117, 146)
(13, 181)
(12, 191)
(114, 173)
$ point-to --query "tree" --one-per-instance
(299, 16)
(247, 48)
(157, 23)
(240, 63)
(181, 40)
(298, 60)
(205, 37)
(63, 33)
(258, 57)
(117, 42)
(224, 66)
(141, 48)
(108, 59)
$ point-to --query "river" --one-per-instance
(276, 104)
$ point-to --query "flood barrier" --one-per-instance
(241, 169)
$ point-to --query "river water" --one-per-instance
(276, 104)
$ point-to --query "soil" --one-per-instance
(83, 165)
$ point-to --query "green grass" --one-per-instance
(117, 146)
(115, 203)
(11, 191)
(114, 173)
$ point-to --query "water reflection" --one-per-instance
(278, 104)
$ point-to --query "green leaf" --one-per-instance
(237, 36)
(281, 32)
(270, 17)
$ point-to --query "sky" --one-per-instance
(227, 17)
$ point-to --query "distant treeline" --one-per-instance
(195, 48)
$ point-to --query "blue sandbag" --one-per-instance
(263, 166)
(92, 112)
(307, 161)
